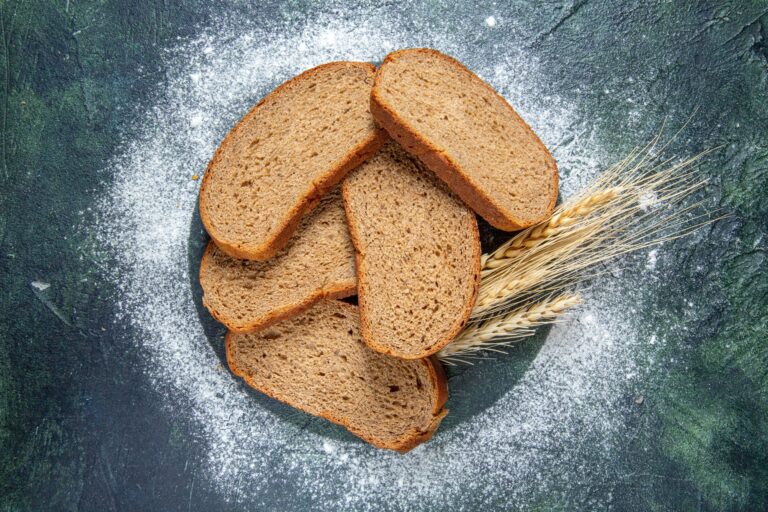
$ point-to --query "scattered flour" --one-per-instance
(537, 442)
(648, 201)
(650, 263)
(197, 120)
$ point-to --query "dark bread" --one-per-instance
(317, 263)
(465, 132)
(284, 155)
(417, 250)
(317, 362)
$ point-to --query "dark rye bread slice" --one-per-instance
(417, 250)
(468, 135)
(318, 363)
(284, 155)
(318, 262)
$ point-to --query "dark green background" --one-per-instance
(81, 429)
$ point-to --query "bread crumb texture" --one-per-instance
(418, 254)
(288, 151)
(318, 363)
(468, 134)
(318, 262)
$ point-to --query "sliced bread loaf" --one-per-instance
(468, 135)
(285, 154)
(317, 362)
(418, 254)
(318, 262)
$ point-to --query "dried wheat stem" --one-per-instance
(637, 203)
(563, 218)
(517, 324)
(634, 204)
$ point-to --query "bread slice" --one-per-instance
(318, 262)
(317, 362)
(468, 135)
(284, 155)
(417, 250)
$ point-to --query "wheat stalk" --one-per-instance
(561, 220)
(493, 335)
(634, 204)
(637, 203)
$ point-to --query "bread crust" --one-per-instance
(337, 291)
(407, 442)
(362, 283)
(441, 163)
(315, 192)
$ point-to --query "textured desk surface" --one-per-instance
(654, 396)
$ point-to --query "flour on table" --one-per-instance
(530, 444)
(652, 258)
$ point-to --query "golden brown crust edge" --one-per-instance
(280, 238)
(290, 310)
(362, 301)
(409, 441)
(441, 164)
(437, 372)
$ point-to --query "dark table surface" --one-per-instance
(113, 396)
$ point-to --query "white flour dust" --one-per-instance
(529, 446)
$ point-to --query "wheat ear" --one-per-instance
(494, 334)
(637, 203)
(560, 221)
